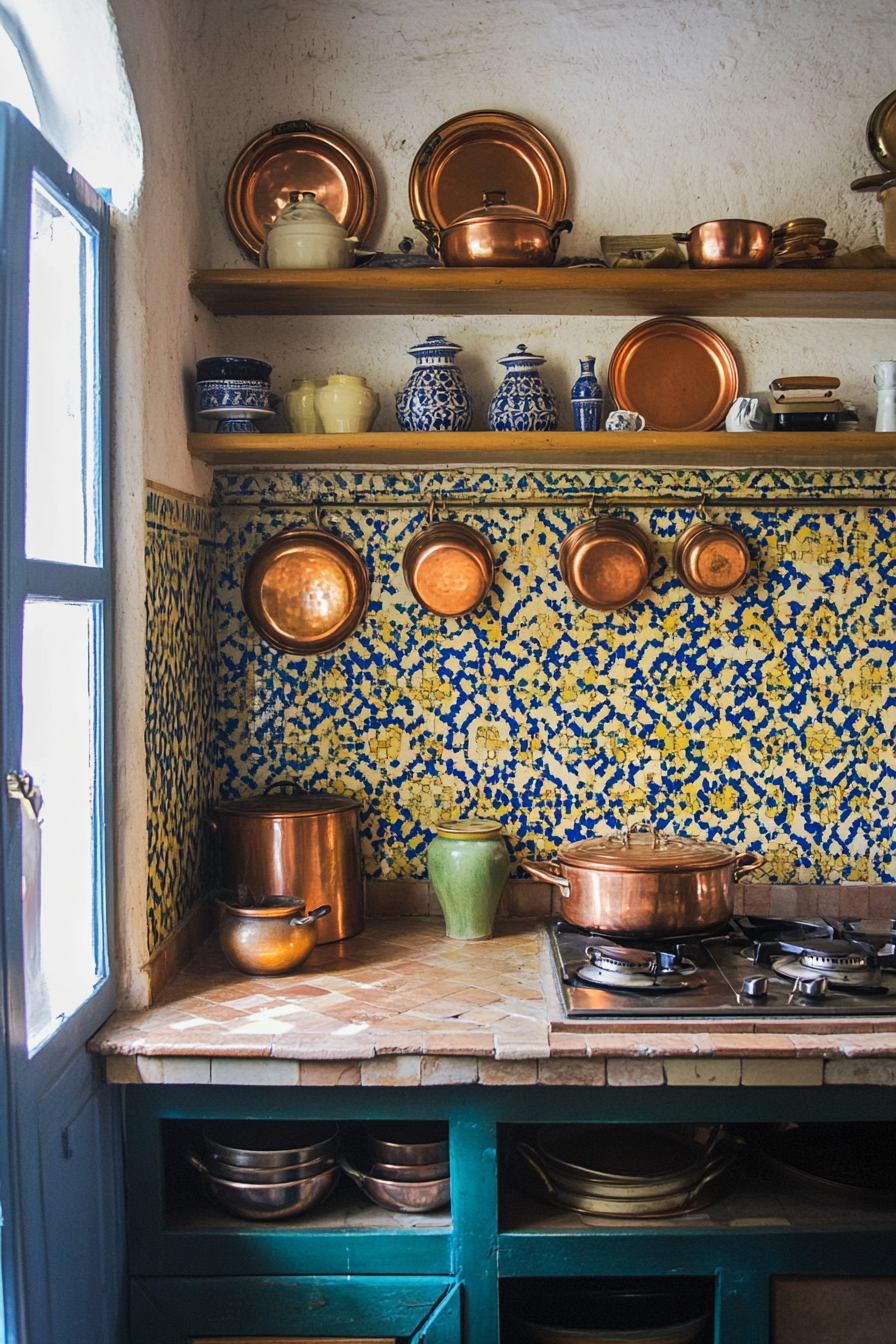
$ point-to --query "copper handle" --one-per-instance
(565, 226)
(636, 826)
(746, 863)
(548, 872)
(429, 231)
(314, 916)
(487, 195)
(287, 779)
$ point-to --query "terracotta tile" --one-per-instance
(483, 1017)
(396, 898)
(702, 1072)
(477, 996)
(524, 899)
(882, 901)
(567, 1044)
(399, 1043)
(177, 1071)
(121, 1069)
(469, 1043)
(814, 1045)
(782, 1072)
(782, 903)
(298, 1046)
(854, 902)
(339, 1073)
(807, 901)
(255, 1072)
(612, 1043)
(448, 1070)
(391, 1071)
(754, 1045)
(510, 1048)
(635, 1073)
(756, 900)
(861, 1072)
(508, 1072)
(875, 1043)
(572, 1072)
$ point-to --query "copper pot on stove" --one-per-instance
(605, 563)
(645, 883)
(305, 845)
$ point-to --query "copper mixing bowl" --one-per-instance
(735, 244)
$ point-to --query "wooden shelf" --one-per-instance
(603, 293)
(846, 450)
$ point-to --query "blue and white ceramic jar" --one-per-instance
(587, 397)
(522, 402)
(435, 396)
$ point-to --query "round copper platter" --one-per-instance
(305, 591)
(605, 563)
(299, 156)
(486, 151)
(711, 559)
(449, 568)
(677, 373)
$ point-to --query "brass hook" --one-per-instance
(701, 507)
(592, 512)
(317, 515)
(432, 511)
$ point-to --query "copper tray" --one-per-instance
(677, 373)
(298, 156)
(449, 568)
(305, 591)
(711, 559)
(605, 563)
(486, 151)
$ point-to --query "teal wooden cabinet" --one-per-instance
(353, 1270)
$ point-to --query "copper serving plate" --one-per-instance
(449, 568)
(299, 156)
(305, 591)
(605, 563)
(486, 151)
(677, 373)
(711, 559)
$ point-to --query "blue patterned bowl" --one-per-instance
(232, 366)
(231, 394)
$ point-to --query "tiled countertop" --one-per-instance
(402, 1005)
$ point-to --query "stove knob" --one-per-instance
(755, 986)
(815, 988)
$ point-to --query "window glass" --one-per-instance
(62, 449)
(63, 878)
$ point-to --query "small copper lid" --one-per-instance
(648, 851)
(495, 206)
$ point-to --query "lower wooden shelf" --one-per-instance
(717, 450)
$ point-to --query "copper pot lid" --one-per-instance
(484, 151)
(881, 132)
(305, 590)
(605, 563)
(711, 559)
(495, 207)
(291, 805)
(298, 156)
(679, 374)
(646, 850)
(449, 568)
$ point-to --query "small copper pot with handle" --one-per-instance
(728, 244)
(270, 939)
(645, 883)
(711, 559)
(605, 563)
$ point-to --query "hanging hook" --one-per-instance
(701, 507)
(592, 512)
(432, 512)
(317, 515)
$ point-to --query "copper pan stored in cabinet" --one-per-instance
(644, 883)
(711, 559)
(605, 563)
(449, 568)
(305, 590)
(305, 845)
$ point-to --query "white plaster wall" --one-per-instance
(666, 112)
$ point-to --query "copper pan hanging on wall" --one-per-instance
(605, 563)
(305, 590)
(711, 559)
(449, 567)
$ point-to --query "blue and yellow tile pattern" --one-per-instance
(764, 719)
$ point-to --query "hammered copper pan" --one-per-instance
(711, 559)
(305, 590)
(449, 568)
(605, 563)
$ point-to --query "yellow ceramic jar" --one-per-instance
(298, 405)
(346, 405)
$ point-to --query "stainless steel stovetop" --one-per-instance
(753, 967)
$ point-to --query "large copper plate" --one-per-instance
(486, 151)
(677, 373)
(881, 132)
(605, 563)
(299, 156)
(449, 568)
(305, 591)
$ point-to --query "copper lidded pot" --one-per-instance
(645, 883)
(496, 234)
(305, 845)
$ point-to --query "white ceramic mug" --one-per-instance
(745, 416)
(624, 420)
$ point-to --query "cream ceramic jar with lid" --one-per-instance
(305, 236)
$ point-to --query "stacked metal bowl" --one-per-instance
(407, 1167)
(628, 1171)
(268, 1169)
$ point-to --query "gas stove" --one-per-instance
(751, 967)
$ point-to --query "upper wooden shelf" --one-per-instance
(603, 293)
(847, 451)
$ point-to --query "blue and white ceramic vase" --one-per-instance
(522, 402)
(435, 396)
(587, 397)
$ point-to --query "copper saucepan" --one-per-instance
(605, 563)
(711, 559)
(496, 234)
(271, 939)
(449, 568)
(646, 883)
(735, 244)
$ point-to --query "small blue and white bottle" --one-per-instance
(587, 397)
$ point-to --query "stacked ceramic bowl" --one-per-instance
(628, 1171)
(801, 243)
(235, 392)
(267, 1169)
(406, 1167)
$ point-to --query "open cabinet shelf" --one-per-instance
(562, 291)
(627, 451)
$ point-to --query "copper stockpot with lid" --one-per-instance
(645, 883)
(305, 845)
(496, 234)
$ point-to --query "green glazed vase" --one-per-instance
(468, 866)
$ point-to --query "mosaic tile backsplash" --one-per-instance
(181, 669)
(764, 719)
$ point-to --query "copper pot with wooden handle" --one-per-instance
(645, 883)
